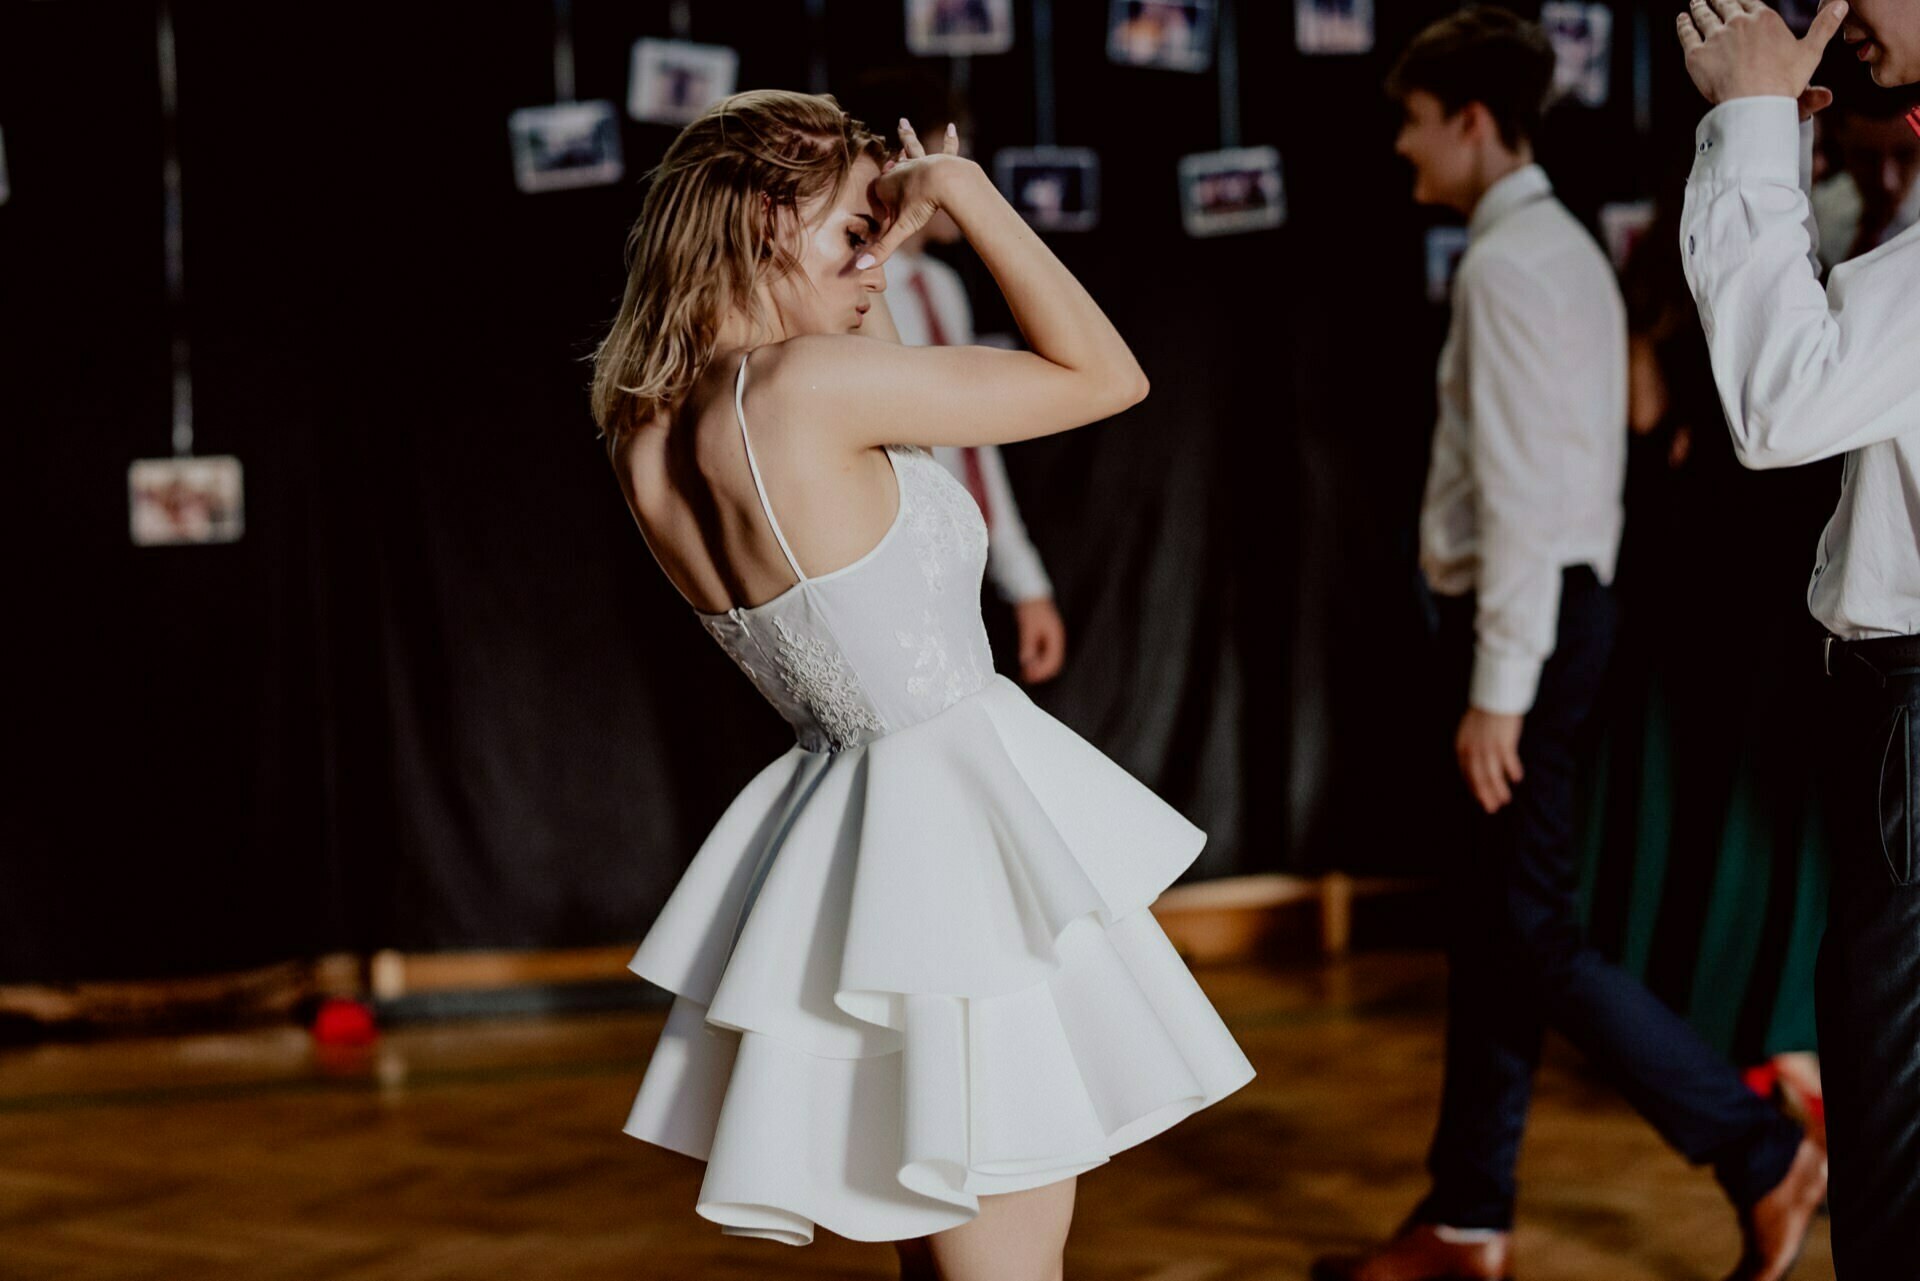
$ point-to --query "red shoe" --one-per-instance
(1421, 1253)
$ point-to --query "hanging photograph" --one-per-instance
(1445, 247)
(1582, 38)
(567, 145)
(1173, 34)
(174, 501)
(1054, 188)
(673, 81)
(957, 28)
(1224, 192)
(1622, 224)
(4, 189)
(1333, 26)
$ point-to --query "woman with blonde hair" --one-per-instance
(917, 987)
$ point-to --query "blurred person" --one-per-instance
(1805, 373)
(1519, 533)
(930, 308)
(918, 990)
(928, 305)
(1707, 818)
(1872, 195)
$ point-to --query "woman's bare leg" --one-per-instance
(1018, 1236)
(916, 1260)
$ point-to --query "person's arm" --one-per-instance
(1078, 371)
(1013, 562)
(1512, 406)
(1804, 373)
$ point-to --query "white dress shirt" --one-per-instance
(1807, 372)
(1013, 562)
(1530, 452)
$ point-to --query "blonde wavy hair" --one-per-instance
(706, 241)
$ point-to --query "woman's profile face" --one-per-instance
(829, 293)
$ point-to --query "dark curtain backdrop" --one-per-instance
(439, 696)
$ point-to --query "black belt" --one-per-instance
(1877, 657)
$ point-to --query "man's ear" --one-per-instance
(1476, 122)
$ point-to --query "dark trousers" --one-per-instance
(1868, 984)
(1519, 965)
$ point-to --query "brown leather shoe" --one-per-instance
(1419, 1254)
(1774, 1229)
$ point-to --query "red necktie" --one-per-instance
(1913, 120)
(937, 336)
(936, 332)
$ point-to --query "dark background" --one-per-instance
(439, 696)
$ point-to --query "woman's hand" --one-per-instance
(912, 186)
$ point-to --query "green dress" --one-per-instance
(1705, 870)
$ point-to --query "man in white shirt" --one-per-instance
(928, 302)
(1518, 537)
(1806, 373)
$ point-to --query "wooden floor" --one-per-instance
(492, 1150)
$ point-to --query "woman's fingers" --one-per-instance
(910, 141)
(1728, 10)
(952, 147)
(1704, 17)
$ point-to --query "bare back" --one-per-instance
(691, 488)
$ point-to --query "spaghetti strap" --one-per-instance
(753, 465)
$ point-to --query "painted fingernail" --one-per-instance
(864, 261)
(904, 124)
(952, 131)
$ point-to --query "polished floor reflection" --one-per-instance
(492, 1150)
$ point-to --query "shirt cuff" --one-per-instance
(1755, 138)
(1503, 683)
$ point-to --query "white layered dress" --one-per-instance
(913, 962)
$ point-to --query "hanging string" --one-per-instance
(175, 239)
(1043, 72)
(563, 87)
(817, 34)
(1642, 72)
(1228, 58)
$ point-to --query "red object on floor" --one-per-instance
(344, 1022)
(1761, 1079)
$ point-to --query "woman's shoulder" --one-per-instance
(824, 372)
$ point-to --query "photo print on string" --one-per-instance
(1582, 39)
(1333, 26)
(5, 190)
(1176, 35)
(566, 145)
(1054, 188)
(174, 501)
(958, 28)
(1446, 245)
(673, 81)
(1236, 190)
(183, 499)
(1622, 224)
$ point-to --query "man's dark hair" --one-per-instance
(1482, 54)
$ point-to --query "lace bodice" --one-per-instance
(883, 643)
